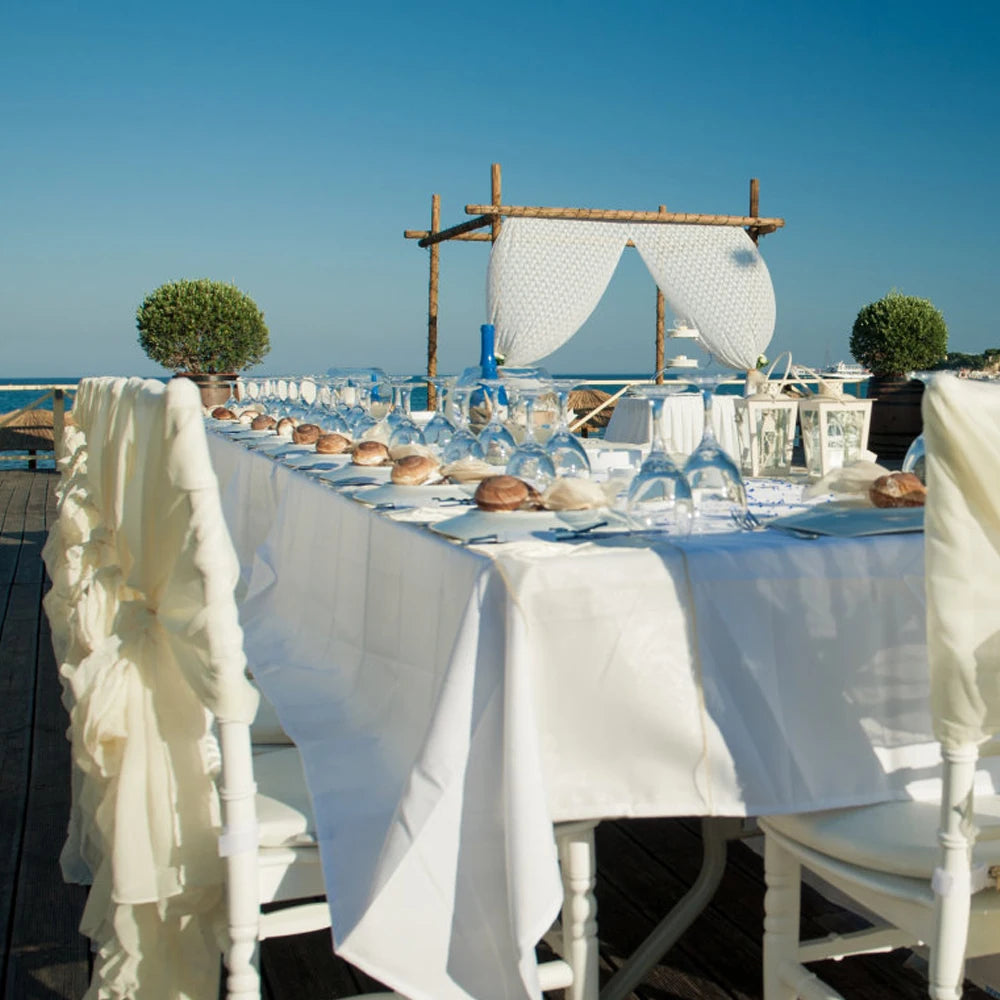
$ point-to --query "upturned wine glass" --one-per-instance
(463, 443)
(440, 429)
(717, 487)
(498, 442)
(568, 455)
(405, 431)
(659, 497)
(530, 461)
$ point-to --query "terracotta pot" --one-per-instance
(214, 389)
(896, 418)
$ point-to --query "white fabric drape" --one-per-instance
(715, 276)
(146, 575)
(545, 278)
(547, 275)
(962, 544)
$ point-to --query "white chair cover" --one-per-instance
(162, 642)
(547, 275)
(963, 633)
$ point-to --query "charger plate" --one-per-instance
(851, 522)
(506, 525)
(400, 495)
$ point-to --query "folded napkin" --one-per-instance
(468, 470)
(574, 494)
(849, 483)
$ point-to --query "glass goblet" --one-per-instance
(440, 429)
(717, 487)
(530, 461)
(405, 430)
(659, 497)
(463, 443)
(498, 443)
(568, 455)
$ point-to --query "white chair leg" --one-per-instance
(579, 913)
(781, 919)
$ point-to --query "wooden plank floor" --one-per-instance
(644, 865)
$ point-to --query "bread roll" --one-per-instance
(898, 489)
(223, 413)
(370, 453)
(502, 493)
(414, 470)
(306, 434)
(263, 422)
(332, 444)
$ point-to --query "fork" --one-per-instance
(746, 521)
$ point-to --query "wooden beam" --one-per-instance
(451, 233)
(58, 420)
(755, 231)
(432, 302)
(495, 200)
(485, 212)
(420, 234)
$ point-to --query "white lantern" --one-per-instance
(765, 427)
(834, 431)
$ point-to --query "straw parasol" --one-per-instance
(582, 401)
(31, 431)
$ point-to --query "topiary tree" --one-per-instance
(202, 327)
(898, 334)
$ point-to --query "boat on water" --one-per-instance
(846, 369)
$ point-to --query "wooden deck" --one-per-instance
(644, 866)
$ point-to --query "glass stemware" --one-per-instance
(568, 455)
(440, 429)
(530, 461)
(498, 443)
(463, 443)
(915, 459)
(405, 431)
(659, 498)
(717, 487)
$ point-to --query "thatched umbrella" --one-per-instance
(31, 431)
(583, 401)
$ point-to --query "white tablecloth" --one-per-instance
(683, 423)
(451, 703)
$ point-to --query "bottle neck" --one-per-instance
(487, 357)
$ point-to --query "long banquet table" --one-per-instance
(452, 702)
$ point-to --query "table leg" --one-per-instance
(716, 832)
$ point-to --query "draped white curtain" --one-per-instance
(547, 275)
(545, 278)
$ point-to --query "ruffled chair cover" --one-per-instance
(547, 275)
(153, 646)
(963, 637)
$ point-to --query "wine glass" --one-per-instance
(440, 429)
(916, 455)
(530, 461)
(569, 457)
(717, 487)
(498, 443)
(659, 498)
(405, 430)
(463, 443)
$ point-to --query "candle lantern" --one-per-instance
(834, 431)
(765, 427)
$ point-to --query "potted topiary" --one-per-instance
(893, 336)
(204, 330)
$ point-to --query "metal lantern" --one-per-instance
(765, 427)
(834, 431)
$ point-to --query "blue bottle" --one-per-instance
(488, 362)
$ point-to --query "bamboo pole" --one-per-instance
(484, 212)
(432, 302)
(58, 420)
(420, 234)
(451, 233)
(495, 200)
(754, 231)
(660, 310)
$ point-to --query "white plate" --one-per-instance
(412, 496)
(313, 457)
(506, 525)
(852, 522)
(376, 473)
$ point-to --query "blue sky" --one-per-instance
(285, 147)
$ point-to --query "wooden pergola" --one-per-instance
(488, 217)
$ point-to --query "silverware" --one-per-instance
(746, 521)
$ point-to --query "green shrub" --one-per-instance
(202, 327)
(898, 334)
